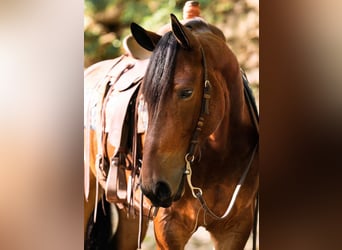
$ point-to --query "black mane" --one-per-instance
(159, 73)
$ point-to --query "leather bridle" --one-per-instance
(190, 156)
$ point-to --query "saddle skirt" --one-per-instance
(125, 85)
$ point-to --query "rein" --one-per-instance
(190, 157)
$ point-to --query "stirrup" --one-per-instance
(116, 185)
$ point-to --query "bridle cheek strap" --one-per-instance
(204, 109)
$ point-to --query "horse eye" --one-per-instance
(185, 93)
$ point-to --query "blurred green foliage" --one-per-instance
(106, 22)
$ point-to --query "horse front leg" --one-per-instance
(232, 234)
(171, 231)
(230, 240)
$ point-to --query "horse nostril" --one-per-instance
(162, 191)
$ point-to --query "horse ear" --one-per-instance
(146, 39)
(182, 34)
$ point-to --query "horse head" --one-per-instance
(184, 60)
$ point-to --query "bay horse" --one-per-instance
(202, 132)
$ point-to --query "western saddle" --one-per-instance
(113, 114)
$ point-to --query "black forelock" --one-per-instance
(159, 73)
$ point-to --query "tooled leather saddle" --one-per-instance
(114, 118)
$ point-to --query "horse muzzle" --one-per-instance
(160, 194)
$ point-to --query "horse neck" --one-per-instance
(236, 135)
(225, 69)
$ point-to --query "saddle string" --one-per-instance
(101, 154)
(136, 146)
